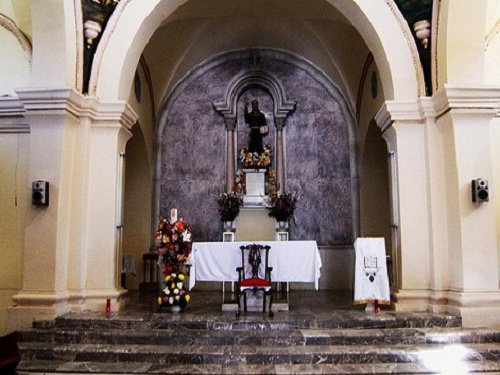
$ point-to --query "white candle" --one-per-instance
(173, 215)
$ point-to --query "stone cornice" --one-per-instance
(12, 116)
(402, 112)
(50, 100)
(106, 112)
(463, 99)
(11, 105)
(473, 99)
(62, 100)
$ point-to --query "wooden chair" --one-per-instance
(254, 275)
(151, 273)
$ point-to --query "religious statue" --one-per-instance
(256, 121)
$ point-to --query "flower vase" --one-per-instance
(175, 309)
(229, 226)
(282, 226)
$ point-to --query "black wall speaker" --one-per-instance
(480, 191)
(40, 193)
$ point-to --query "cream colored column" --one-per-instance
(465, 120)
(230, 153)
(109, 133)
(404, 132)
(54, 135)
(71, 249)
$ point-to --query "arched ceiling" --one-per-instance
(200, 29)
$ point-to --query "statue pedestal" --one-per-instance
(254, 224)
(255, 187)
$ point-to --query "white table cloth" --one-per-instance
(370, 276)
(292, 261)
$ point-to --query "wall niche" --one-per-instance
(316, 136)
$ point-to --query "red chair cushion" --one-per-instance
(255, 283)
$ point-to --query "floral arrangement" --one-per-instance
(254, 159)
(174, 293)
(282, 206)
(271, 183)
(239, 182)
(175, 252)
(229, 205)
(174, 244)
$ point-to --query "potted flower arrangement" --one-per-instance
(282, 205)
(175, 253)
(229, 205)
(174, 293)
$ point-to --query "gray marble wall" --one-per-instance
(316, 152)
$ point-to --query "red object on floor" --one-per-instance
(376, 306)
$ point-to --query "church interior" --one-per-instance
(143, 144)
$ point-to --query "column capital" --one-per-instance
(230, 123)
(280, 123)
(65, 100)
(398, 111)
(480, 99)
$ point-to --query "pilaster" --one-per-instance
(441, 145)
(464, 118)
(52, 115)
(75, 145)
(230, 152)
(280, 157)
(109, 131)
(404, 131)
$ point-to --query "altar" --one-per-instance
(292, 261)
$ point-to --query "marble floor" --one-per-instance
(299, 302)
(306, 308)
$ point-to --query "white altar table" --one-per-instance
(292, 261)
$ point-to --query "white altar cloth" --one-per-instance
(370, 275)
(292, 261)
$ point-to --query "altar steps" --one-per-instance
(342, 342)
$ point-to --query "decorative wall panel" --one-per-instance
(316, 151)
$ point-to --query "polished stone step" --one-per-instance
(54, 367)
(266, 337)
(228, 321)
(318, 336)
(261, 355)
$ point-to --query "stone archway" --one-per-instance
(461, 45)
(378, 22)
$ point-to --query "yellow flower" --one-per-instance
(160, 301)
(167, 278)
(187, 297)
(181, 277)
